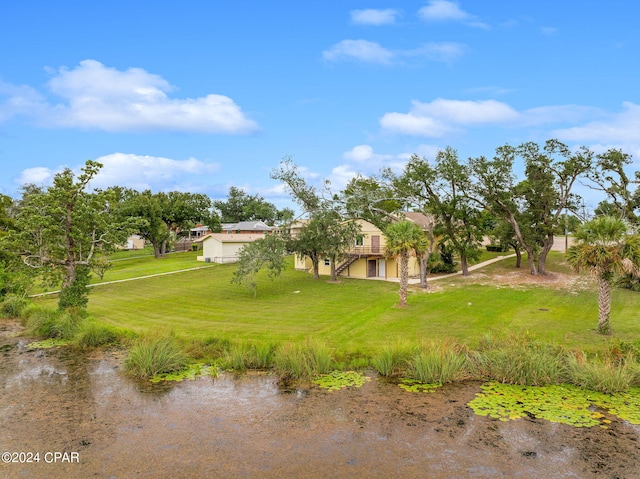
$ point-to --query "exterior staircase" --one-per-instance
(350, 260)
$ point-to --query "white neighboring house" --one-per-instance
(224, 247)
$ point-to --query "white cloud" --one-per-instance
(360, 50)
(623, 127)
(372, 52)
(374, 17)
(438, 51)
(139, 172)
(98, 97)
(443, 11)
(548, 31)
(37, 176)
(441, 116)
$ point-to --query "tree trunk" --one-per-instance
(604, 305)
(334, 276)
(516, 248)
(532, 262)
(404, 279)
(423, 271)
(156, 249)
(542, 259)
(316, 263)
(70, 275)
(463, 264)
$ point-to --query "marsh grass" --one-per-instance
(303, 360)
(603, 375)
(13, 306)
(93, 335)
(53, 323)
(519, 359)
(438, 362)
(392, 359)
(150, 356)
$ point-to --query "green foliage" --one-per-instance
(240, 206)
(337, 380)
(76, 294)
(269, 251)
(150, 356)
(442, 262)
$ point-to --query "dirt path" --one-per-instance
(248, 427)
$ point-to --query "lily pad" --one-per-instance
(340, 379)
(192, 372)
(556, 403)
(49, 343)
(415, 386)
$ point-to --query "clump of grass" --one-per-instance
(438, 363)
(93, 335)
(13, 306)
(392, 359)
(53, 323)
(245, 355)
(155, 355)
(207, 349)
(298, 361)
(603, 376)
(519, 360)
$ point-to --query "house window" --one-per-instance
(327, 262)
(360, 240)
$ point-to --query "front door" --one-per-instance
(382, 268)
(371, 268)
(375, 244)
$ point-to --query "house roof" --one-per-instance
(246, 226)
(422, 220)
(232, 238)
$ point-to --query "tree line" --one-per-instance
(62, 232)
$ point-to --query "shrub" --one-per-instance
(155, 355)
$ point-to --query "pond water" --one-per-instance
(55, 402)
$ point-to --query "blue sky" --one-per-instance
(203, 95)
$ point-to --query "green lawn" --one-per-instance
(145, 264)
(354, 315)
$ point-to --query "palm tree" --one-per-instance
(606, 248)
(404, 237)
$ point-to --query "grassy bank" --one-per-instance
(354, 315)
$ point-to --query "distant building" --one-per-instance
(246, 227)
(224, 247)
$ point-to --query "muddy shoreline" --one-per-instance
(247, 426)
